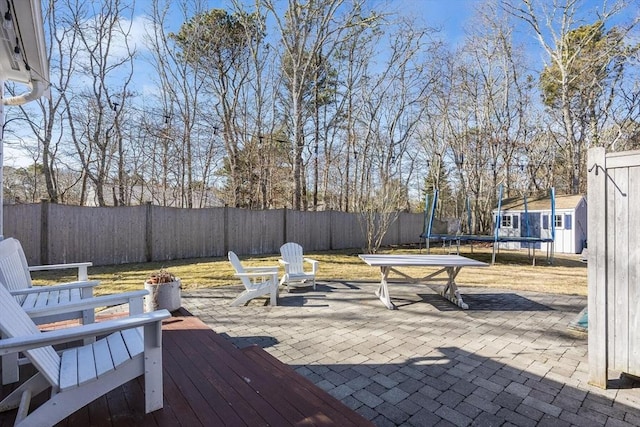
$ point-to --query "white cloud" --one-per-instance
(138, 31)
(127, 37)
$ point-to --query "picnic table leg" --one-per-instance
(451, 291)
(383, 290)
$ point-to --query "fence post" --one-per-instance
(597, 267)
(44, 231)
(149, 232)
(225, 220)
(284, 226)
(330, 229)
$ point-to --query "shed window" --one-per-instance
(558, 221)
(567, 222)
(509, 221)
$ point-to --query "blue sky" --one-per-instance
(450, 16)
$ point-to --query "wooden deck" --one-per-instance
(209, 382)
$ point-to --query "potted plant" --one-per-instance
(164, 291)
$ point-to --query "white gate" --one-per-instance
(614, 263)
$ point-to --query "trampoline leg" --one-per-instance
(534, 256)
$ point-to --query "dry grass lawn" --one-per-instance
(512, 270)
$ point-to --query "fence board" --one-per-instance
(618, 194)
(623, 159)
(187, 233)
(103, 235)
(597, 266)
(23, 222)
(345, 231)
(255, 232)
(391, 235)
(634, 271)
(309, 229)
(408, 224)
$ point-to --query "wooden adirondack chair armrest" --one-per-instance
(81, 266)
(58, 287)
(257, 274)
(76, 333)
(59, 266)
(266, 269)
(89, 303)
(285, 264)
(314, 264)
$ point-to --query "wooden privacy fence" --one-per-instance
(613, 263)
(52, 234)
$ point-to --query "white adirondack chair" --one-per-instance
(258, 281)
(47, 304)
(293, 260)
(80, 375)
(135, 300)
(15, 275)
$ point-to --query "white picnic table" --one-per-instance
(449, 264)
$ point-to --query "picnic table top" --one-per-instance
(393, 260)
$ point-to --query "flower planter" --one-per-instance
(162, 295)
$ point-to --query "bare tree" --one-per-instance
(498, 98)
(392, 107)
(182, 137)
(45, 118)
(583, 61)
(219, 45)
(95, 105)
(307, 30)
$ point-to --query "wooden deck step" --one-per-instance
(208, 381)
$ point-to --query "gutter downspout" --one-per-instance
(38, 89)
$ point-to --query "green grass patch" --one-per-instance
(512, 270)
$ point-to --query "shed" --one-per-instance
(532, 218)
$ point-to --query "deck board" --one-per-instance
(208, 381)
(195, 382)
(239, 375)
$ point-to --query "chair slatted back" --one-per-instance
(14, 270)
(292, 253)
(14, 322)
(237, 266)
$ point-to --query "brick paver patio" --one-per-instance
(509, 360)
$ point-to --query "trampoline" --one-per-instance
(496, 238)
